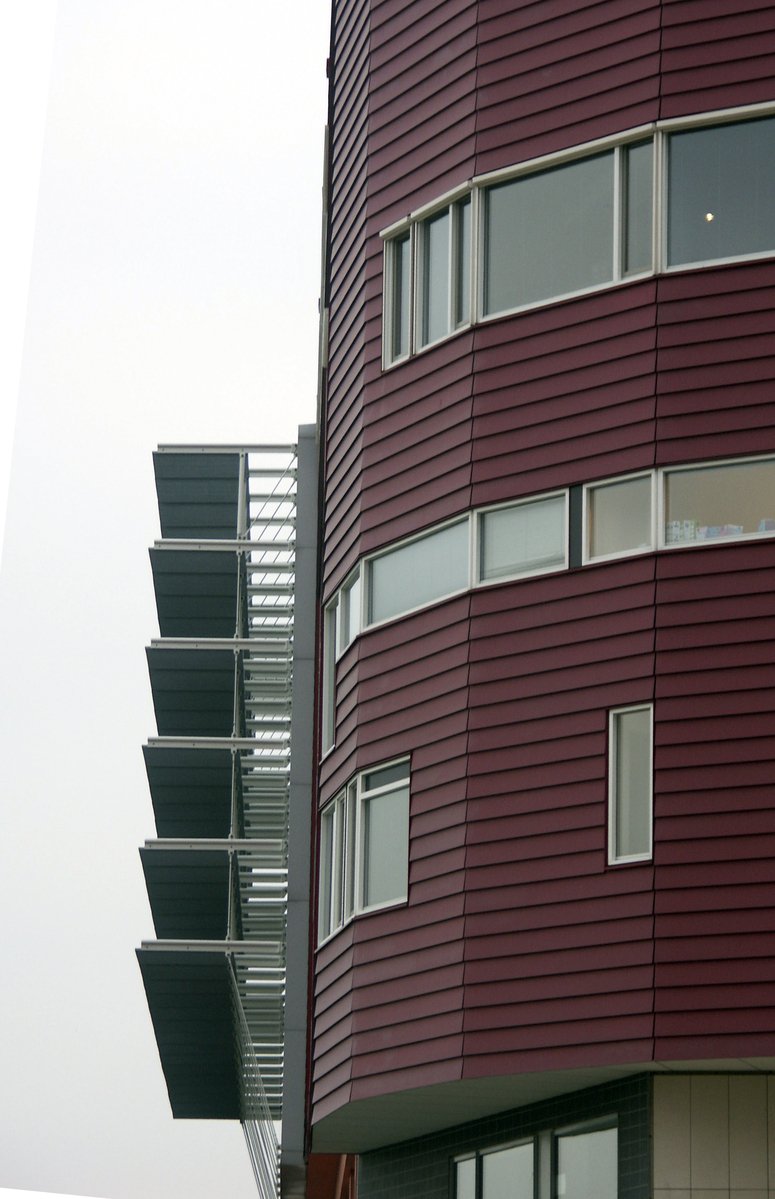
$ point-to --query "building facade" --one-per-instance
(545, 829)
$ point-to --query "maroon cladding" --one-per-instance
(520, 948)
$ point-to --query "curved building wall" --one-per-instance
(520, 955)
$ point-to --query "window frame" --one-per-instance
(589, 559)
(478, 539)
(658, 131)
(368, 584)
(706, 542)
(614, 858)
(341, 874)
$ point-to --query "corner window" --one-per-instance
(618, 518)
(364, 847)
(721, 192)
(725, 501)
(630, 770)
(524, 538)
(418, 572)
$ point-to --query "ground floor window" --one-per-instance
(580, 1162)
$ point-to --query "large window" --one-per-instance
(630, 772)
(721, 192)
(418, 571)
(579, 220)
(364, 846)
(569, 1163)
(618, 518)
(523, 538)
(726, 500)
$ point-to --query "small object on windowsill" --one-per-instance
(767, 524)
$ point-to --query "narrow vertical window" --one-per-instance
(462, 265)
(399, 292)
(350, 611)
(328, 698)
(630, 784)
(637, 207)
(434, 278)
(384, 835)
(327, 856)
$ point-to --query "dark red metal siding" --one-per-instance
(552, 75)
(520, 949)
(715, 818)
(716, 55)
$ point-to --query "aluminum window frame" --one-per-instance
(613, 857)
(658, 131)
(707, 542)
(478, 540)
(588, 559)
(342, 890)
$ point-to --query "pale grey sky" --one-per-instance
(172, 297)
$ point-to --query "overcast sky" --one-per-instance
(173, 294)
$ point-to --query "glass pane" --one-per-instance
(351, 610)
(619, 517)
(465, 1179)
(524, 538)
(637, 207)
(508, 1173)
(463, 276)
(417, 573)
(348, 853)
(549, 234)
(587, 1165)
(632, 781)
(329, 676)
(400, 281)
(733, 500)
(326, 870)
(388, 774)
(386, 847)
(721, 192)
(435, 278)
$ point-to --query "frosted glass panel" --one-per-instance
(435, 278)
(385, 847)
(401, 278)
(587, 1165)
(721, 192)
(508, 1173)
(632, 781)
(733, 500)
(619, 517)
(549, 233)
(420, 572)
(637, 207)
(465, 1179)
(463, 274)
(524, 538)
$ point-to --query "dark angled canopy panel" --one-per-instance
(190, 790)
(193, 691)
(196, 592)
(190, 997)
(197, 494)
(189, 892)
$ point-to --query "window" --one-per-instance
(349, 611)
(364, 847)
(727, 500)
(503, 1173)
(328, 698)
(721, 192)
(569, 1163)
(579, 220)
(630, 784)
(524, 538)
(618, 518)
(418, 572)
(587, 1164)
